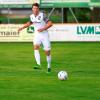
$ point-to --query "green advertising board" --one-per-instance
(16, 6)
(17, 3)
(69, 3)
(49, 3)
(95, 3)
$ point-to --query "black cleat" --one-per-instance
(49, 70)
(37, 67)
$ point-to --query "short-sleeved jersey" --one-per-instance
(39, 21)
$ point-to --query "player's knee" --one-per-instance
(36, 47)
(47, 53)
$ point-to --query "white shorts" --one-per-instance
(42, 39)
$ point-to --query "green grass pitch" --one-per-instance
(19, 81)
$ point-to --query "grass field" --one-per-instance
(19, 81)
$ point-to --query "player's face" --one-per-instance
(35, 10)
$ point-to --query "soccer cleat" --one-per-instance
(49, 70)
(37, 66)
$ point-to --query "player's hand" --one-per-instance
(40, 30)
(19, 30)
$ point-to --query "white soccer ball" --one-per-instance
(62, 75)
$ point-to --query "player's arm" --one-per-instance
(48, 25)
(25, 26)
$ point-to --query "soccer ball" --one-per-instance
(62, 75)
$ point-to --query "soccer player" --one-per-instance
(41, 24)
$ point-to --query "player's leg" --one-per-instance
(37, 43)
(47, 48)
(48, 57)
(37, 54)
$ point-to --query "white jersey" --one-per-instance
(40, 37)
(39, 21)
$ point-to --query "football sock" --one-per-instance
(49, 61)
(37, 56)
